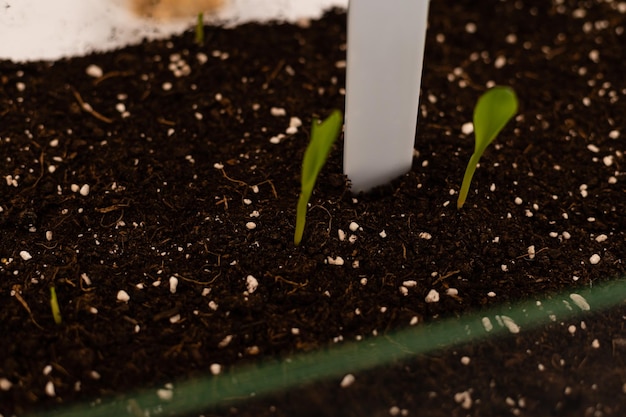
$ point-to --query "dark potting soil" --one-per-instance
(155, 198)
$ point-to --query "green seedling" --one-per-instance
(200, 29)
(323, 135)
(54, 306)
(493, 111)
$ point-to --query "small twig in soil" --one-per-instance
(444, 276)
(41, 172)
(271, 185)
(198, 282)
(525, 256)
(223, 201)
(87, 107)
(330, 221)
(296, 285)
(233, 180)
(16, 293)
(111, 75)
(165, 121)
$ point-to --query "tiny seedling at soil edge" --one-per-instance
(54, 306)
(200, 29)
(323, 135)
(493, 111)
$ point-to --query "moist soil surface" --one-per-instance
(157, 196)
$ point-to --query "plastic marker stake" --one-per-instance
(384, 69)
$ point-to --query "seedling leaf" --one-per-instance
(54, 306)
(493, 111)
(323, 135)
(200, 29)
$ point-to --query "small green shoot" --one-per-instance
(200, 29)
(323, 135)
(493, 111)
(54, 305)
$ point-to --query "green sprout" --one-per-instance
(323, 135)
(54, 305)
(493, 111)
(200, 29)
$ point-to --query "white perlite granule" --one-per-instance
(432, 297)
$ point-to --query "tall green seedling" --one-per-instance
(493, 111)
(323, 135)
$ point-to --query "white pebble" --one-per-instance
(354, 226)
(614, 134)
(85, 278)
(50, 391)
(595, 344)
(94, 71)
(215, 368)
(278, 111)
(347, 381)
(225, 341)
(295, 122)
(123, 296)
(452, 292)
(593, 148)
(580, 302)
(510, 324)
(410, 283)
(467, 128)
(425, 235)
(251, 284)
(165, 394)
(341, 235)
(531, 252)
(594, 259)
(251, 225)
(464, 399)
(173, 284)
(335, 261)
(277, 139)
(487, 324)
(25, 255)
(465, 360)
(601, 238)
(518, 201)
(175, 318)
(500, 61)
(432, 296)
(5, 384)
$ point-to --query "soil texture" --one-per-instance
(155, 187)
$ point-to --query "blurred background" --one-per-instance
(49, 30)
